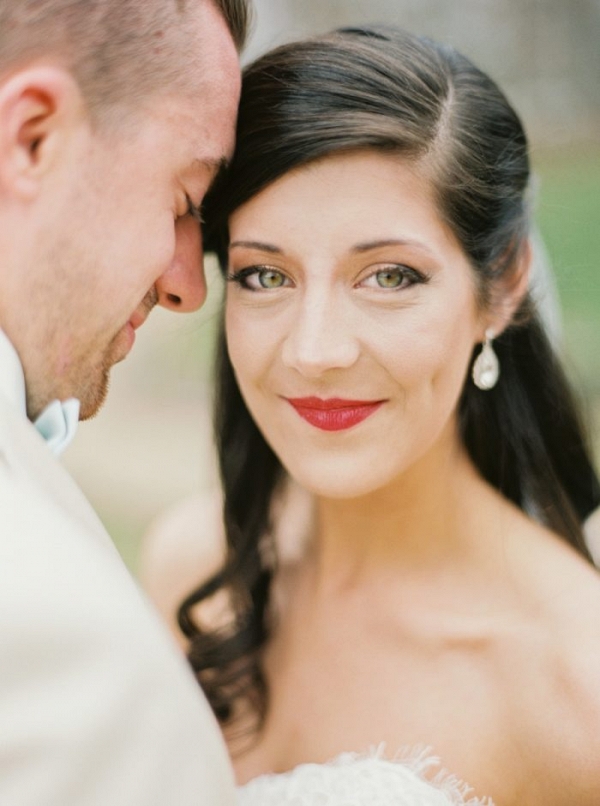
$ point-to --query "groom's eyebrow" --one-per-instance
(214, 166)
(194, 180)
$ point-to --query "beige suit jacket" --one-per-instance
(97, 708)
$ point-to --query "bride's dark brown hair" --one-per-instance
(385, 90)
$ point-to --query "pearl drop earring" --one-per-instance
(486, 368)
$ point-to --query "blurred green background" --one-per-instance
(568, 213)
(151, 445)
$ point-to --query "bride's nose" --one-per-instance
(320, 337)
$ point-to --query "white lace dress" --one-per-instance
(411, 779)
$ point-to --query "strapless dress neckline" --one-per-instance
(410, 778)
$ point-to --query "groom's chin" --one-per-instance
(93, 396)
(94, 387)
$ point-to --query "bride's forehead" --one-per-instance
(351, 182)
(364, 196)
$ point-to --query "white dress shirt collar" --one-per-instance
(58, 422)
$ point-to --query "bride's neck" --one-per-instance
(431, 516)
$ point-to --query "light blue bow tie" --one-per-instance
(58, 424)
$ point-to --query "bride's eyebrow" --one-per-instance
(366, 247)
(258, 245)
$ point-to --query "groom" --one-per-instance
(115, 116)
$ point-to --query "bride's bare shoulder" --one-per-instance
(559, 704)
(182, 548)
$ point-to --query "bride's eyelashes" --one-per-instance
(389, 277)
(393, 277)
(259, 278)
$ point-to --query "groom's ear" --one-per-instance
(40, 107)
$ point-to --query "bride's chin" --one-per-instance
(335, 484)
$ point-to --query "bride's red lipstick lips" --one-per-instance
(334, 414)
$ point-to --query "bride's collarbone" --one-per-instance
(505, 696)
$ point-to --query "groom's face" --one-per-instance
(117, 237)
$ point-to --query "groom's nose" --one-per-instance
(182, 287)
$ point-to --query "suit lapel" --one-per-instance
(26, 454)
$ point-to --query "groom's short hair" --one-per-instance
(120, 51)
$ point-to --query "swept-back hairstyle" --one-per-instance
(120, 51)
(384, 89)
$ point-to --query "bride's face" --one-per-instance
(351, 316)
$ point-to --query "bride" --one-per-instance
(381, 355)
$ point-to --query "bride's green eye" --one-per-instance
(394, 277)
(259, 278)
(270, 279)
(389, 278)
